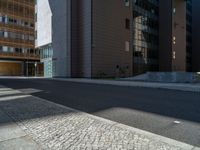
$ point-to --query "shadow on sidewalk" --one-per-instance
(21, 107)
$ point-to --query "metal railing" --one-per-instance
(14, 55)
(17, 28)
(16, 42)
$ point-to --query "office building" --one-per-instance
(145, 35)
(43, 40)
(175, 36)
(115, 38)
(17, 38)
(89, 39)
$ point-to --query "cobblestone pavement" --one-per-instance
(56, 127)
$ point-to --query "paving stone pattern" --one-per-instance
(57, 127)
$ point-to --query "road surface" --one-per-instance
(170, 113)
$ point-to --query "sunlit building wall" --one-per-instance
(17, 38)
(43, 40)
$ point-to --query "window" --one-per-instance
(174, 55)
(127, 46)
(174, 40)
(5, 49)
(127, 23)
(174, 10)
(127, 3)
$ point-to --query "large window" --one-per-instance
(127, 3)
(145, 36)
(19, 22)
(13, 35)
(127, 23)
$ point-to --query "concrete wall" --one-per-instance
(172, 44)
(179, 32)
(98, 38)
(85, 37)
(61, 37)
(109, 37)
(88, 37)
(71, 35)
(196, 36)
(44, 23)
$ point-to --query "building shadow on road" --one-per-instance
(92, 98)
(153, 110)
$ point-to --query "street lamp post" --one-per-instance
(27, 68)
(35, 69)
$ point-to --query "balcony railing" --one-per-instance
(17, 28)
(26, 3)
(19, 56)
(19, 14)
(17, 43)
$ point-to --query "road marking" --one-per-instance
(177, 122)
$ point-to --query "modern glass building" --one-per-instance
(46, 55)
(17, 38)
(145, 35)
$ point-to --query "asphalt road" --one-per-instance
(153, 110)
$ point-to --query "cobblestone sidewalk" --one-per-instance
(51, 126)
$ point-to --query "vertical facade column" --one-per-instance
(165, 35)
(85, 37)
(172, 35)
(61, 37)
(179, 35)
(195, 35)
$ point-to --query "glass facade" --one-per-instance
(46, 54)
(145, 35)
